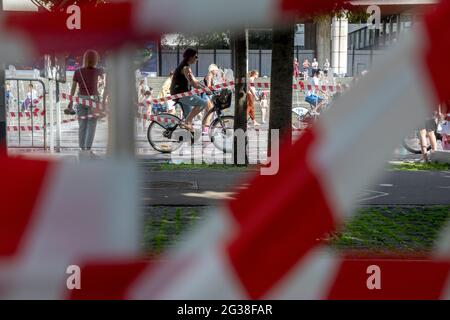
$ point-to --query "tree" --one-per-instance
(258, 39)
(281, 82)
(282, 63)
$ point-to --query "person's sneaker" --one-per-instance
(422, 161)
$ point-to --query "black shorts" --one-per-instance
(429, 125)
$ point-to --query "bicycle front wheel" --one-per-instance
(221, 132)
(165, 135)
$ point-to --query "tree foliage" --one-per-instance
(55, 4)
(258, 39)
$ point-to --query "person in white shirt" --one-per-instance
(31, 98)
(312, 97)
(326, 67)
(314, 66)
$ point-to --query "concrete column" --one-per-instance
(121, 88)
(339, 36)
(323, 41)
(391, 30)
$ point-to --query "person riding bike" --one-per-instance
(182, 81)
(311, 96)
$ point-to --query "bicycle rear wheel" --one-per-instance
(412, 143)
(165, 135)
(221, 132)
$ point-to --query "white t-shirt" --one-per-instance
(32, 95)
(315, 65)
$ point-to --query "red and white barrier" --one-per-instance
(145, 20)
(84, 102)
(25, 128)
(71, 213)
(157, 118)
(266, 85)
(266, 243)
(27, 114)
(302, 86)
(193, 92)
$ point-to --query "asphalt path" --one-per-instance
(207, 187)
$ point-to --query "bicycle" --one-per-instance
(412, 141)
(166, 135)
(303, 117)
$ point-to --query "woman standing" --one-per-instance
(252, 96)
(87, 79)
(296, 69)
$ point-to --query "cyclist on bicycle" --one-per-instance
(182, 81)
(312, 97)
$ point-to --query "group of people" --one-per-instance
(309, 69)
(179, 81)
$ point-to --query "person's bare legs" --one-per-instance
(318, 107)
(423, 143)
(188, 123)
(433, 141)
(207, 120)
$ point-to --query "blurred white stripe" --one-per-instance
(200, 15)
(362, 128)
(310, 279)
(191, 270)
(86, 212)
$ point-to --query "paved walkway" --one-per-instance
(207, 187)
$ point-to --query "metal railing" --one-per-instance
(21, 108)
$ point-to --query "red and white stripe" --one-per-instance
(111, 25)
(71, 214)
(267, 248)
(25, 128)
(267, 242)
(157, 118)
(27, 114)
(302, 86)
(84, 102)
(257, 84)
(192, 92)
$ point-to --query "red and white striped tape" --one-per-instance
(25, 128)
(26, 114)
(265, 243)
(193, 92)
(84, 102)
(302, 86)
(145, 20)
(157, 118)
(266, 85)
